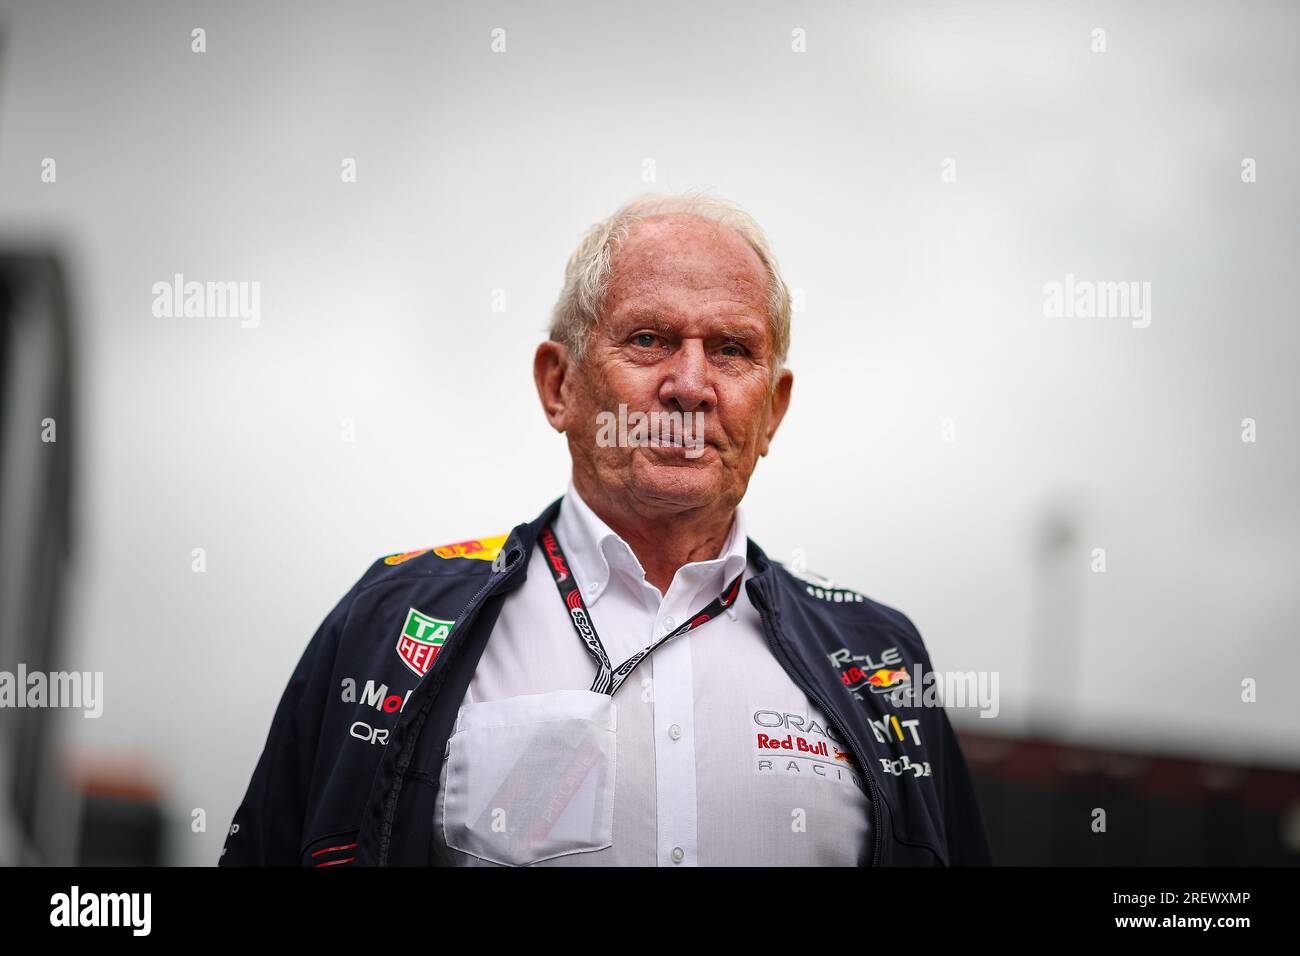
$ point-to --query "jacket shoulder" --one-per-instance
(458, 558)
(822, 595)
(435, 582)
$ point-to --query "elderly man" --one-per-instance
(627, 679)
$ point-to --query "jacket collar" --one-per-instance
(518, 549)
(596, 553)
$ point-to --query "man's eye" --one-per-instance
(645, 339)
(736, 350)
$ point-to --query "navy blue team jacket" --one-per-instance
(350, 768)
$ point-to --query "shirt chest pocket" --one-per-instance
(531, 778)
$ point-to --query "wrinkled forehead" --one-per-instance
(680, 261)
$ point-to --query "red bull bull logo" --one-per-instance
(880, 681)
(482, 549)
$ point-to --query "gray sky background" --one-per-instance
(923, 301)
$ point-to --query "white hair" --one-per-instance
(586, 277)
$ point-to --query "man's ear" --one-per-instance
(780, 401)
(550, 369)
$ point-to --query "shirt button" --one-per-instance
(675, 732)
(678, 854)
(669, 624)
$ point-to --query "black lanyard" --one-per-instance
(609, 679)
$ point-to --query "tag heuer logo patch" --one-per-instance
(421, 639)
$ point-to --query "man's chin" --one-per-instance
(666, 475)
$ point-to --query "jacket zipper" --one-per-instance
(471, 609)
(769, 631)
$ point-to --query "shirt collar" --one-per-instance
(594, 550)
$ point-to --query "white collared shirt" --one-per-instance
(721, 758)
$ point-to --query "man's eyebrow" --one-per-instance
(649, 320)
(741, 333)
(746, 335)
(654, 320)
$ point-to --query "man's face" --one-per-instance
(684, 329)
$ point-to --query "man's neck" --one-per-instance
(662, 544)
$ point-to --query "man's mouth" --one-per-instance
(676, 448)
(679, 431)
(680, 439)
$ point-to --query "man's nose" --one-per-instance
(686, 382)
